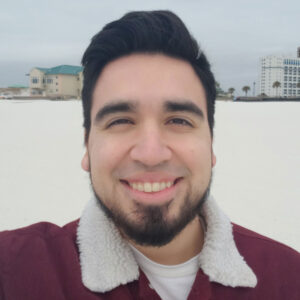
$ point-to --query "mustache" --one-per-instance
(135, 168)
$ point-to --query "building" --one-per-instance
(59, 82)
(285, 70)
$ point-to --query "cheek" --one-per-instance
(105, 155)
(198, 157)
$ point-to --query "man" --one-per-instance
(151, 231)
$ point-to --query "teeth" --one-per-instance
(163, 185)
(149, 187)
(155, 187)
(140, 187)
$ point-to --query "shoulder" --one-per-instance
(23, 242)
(42, 230)
(274, 263)
(41, 259)
(257, 242)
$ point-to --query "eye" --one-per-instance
(180, 121)
(119, 122)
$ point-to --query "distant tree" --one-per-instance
(231, 90)
(219, 89)
(276, 85)
(262, 95)
(246, 89)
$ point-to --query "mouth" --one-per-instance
(151, 187)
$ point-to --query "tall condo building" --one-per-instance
(285, 70)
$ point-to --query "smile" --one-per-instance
(151, 187)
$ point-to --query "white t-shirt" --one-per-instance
(170, 282)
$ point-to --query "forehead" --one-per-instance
(148, 80)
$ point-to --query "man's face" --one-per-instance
(149, 151)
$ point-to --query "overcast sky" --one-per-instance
(233, 34)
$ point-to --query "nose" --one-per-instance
(150, 147)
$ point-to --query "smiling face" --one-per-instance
(149, 151)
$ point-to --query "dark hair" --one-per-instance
(144, 32)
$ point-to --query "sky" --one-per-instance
(233, 34)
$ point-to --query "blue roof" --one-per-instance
(63, 69)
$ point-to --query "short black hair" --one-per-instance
(144, 32)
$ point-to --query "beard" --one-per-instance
(148, 225)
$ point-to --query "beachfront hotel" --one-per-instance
(63, 81)
(285, 70)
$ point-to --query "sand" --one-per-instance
(256, 179)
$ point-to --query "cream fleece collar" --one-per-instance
(107, 260)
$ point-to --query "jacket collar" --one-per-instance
(107, 260)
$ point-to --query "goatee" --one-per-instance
(150, 226)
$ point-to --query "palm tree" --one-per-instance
(231, 90)
(245, 89)
(262, 95)
(218, 88)
(276, 85)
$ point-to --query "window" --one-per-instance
(49, 80)
(35, 80)
(285, 92)
(285, 85)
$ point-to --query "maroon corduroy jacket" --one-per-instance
(41, 262)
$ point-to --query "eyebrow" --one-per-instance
(185, 106)
(126, 106)
(112, 108)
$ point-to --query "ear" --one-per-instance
(213, 159)
(85, 162)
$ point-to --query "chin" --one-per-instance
(154, 225)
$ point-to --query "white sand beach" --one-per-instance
(256, 179)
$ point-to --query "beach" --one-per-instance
(255, 181)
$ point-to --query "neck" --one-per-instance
(187, 244)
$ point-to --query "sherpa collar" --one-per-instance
(107, 260)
